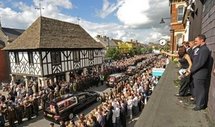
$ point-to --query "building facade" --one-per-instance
(208, 28)
(7, 35)
(106, 41)
(178, 32)
(201, 14)
(51, 49)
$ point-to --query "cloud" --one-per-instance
(109, 8)
(27, 14)
(55, 3)
(143, 16)
(131, 13)
(142, 13)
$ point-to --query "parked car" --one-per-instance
(131, 70)
(113, 79)
(67, 106)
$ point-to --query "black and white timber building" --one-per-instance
(50, 48)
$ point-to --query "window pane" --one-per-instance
(91, 55)
(16, 54)
(180, 10)
(30, 58)
(179, 39)
(180, 13)
(76, 56)
(55, 58)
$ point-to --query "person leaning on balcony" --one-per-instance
(186, 45)
(200, 72)
(186, 64)
(192, 47)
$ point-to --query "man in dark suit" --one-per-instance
(200, 72)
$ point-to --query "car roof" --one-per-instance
(63, 97)
(117, 74)
(132, 66)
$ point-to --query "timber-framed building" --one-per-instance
(51, 49)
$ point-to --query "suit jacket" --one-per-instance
(201, 59)
(190, 52)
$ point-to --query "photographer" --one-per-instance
(186, 64)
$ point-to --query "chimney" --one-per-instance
(98, 36)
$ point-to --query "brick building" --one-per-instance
(178, 32)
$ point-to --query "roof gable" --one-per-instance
(51, 33)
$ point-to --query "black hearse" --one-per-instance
(66, 106)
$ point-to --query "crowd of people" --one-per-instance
(124, 102)
(195, 72)
(24, 103)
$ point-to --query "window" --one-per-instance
(66, 104)
(55, 58)
(81, 98)
(76, 56)
(30, 58)
(179, 39)
(16, 54)
(180, 13)
(91, 55)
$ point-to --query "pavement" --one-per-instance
(166, 110)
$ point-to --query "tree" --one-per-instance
(113, 53)
(131, 52)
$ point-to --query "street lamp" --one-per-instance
(171, 33)
(163, 20)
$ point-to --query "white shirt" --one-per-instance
(140, 89)
(167, 61)
(130, 104)
(117, 111)
(135, 101)
(114, 104)
(114, 116)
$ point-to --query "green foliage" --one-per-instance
(131, 52)
(166, 47)
(113, 53)
(148, 49)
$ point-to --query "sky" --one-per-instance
(118, 19)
